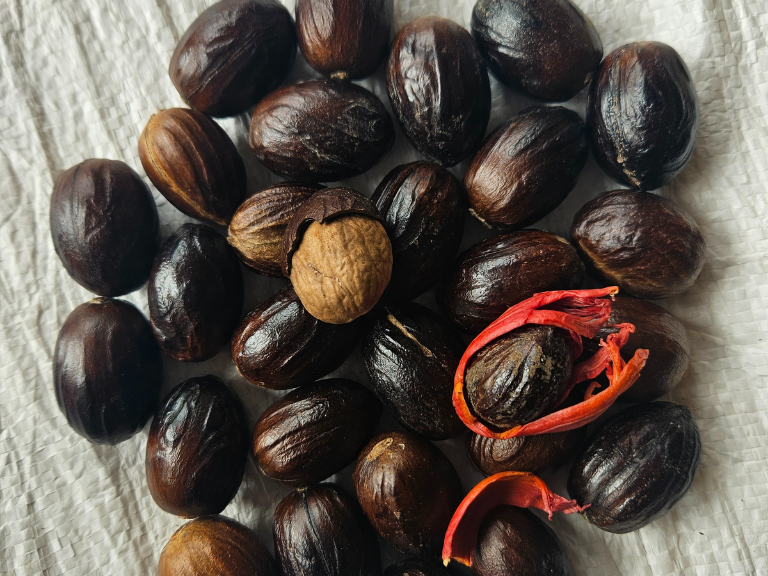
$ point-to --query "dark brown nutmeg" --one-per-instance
(514, 540)
(499, 272)
(257, 227)
(416, 567)
(636, 466)
(215, 545)
(422, 208)
(439, 89)
(232, 55)
(315, 431)
(640, 242)
(527, 167)
(321, 131)
(279, 345)
(104, 226)
(107, 370)
(411, 356)
(195, 293)
(408, 490)
(643, 114)
(195, 165)
(321, 531)
(344, 39)
(546, 49)
(197, 448)
(657, 331)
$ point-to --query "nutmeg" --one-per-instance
(195, 165)
(257, 227)
(417, 567)
(337, 255)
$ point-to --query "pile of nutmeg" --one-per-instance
(547, 357)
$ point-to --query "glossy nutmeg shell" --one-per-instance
(197, 448)
(643, 114)
(641, 242)
(232, 55)
(194, 164)
(416, 567)
(107, 370)
(104, 226)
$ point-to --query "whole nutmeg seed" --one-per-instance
(321, 531)
(195, 293)
(422, 208)
(527, 167)
(232, 55)
(545, 49)
(344, 39)
(197, 448)
(195, 165)
(257, 227)
(107, 370)
(640, 242)
(215, 545)
(500, 272)
(643, 114)
(337, 255)
(439, 89)
(279, 345)
(104, 226)
(321, 131)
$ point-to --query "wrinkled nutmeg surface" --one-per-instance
(195, 293)
(232, 55)
(643, 114)
(499, 272)
(197, 448)
(640, 242)
(279, 345)
(194, 164)
(408, 490)
(546, 49)
(315, 431)
(321, 131)
(439, 89)
(636, 466)
(104, 226)
(107, 370)
(215, 545)
(344, 39)
(527, 167)
(321, 531)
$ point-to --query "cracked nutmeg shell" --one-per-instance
(321, 531)
(107, 370)
(409, 491)
(215, 545)
(195, 293)
(257, 227)
(439, 89)
(643, 114)
(636, 466)
(337, 255)
(232, 55)
(500, 272)
(344, 39)
(546, 49)
(411, 356)
(422, 208)
(194, 164)
(279, 345)
(321, 131)
(197, 448)
(315, 431)
(640, 242)
(104, 226)
(527, 167)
